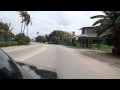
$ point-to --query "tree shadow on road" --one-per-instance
(74, 47)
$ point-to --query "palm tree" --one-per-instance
(37, 33)
(9, 30)
(22, 14)
(73, 33)
(25, 19)
(27, 24)
(110, 21)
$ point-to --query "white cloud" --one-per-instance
(46, 21)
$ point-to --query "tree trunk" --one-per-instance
(117, 45)
(1, 39)
(116, 39)
(27, 31)
(117, 50)
(24, 28)
(73, 42)
(21, 25)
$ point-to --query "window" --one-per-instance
(83, 31)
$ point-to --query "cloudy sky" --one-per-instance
(45, 22)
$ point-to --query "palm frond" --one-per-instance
(106, 25)
(108, 35)
(99, 21)
(11, 29)
(117, 20)
(106, 12)
(99, 16)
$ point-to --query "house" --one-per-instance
(90, 31)
(89, 39)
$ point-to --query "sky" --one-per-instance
(45, 22)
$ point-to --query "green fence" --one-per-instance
(64, 43)
(78, 44)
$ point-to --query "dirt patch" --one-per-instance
(104, 57)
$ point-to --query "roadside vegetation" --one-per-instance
(110, 21)
(8, 38)
(55, 37)
(7, 44)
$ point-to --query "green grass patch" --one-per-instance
(95, 46)
(106, 47)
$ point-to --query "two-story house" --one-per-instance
(91, 32)
(89, 37)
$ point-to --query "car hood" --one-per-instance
(38, 72)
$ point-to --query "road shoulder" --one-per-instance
(105, 56)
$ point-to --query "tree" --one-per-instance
(46, 38)
(26, 20)
(110, 21)
(73, 39)
(22, 14)
(25, 40)
(58, 35)
(40, 39)
(108, 39)
(5, 31)
(73, 33)
(37, 33)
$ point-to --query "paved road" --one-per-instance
(25, 52)
(70, 63)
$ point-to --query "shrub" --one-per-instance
(22, 39)
(6, 44)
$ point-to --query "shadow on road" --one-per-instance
(73, 47)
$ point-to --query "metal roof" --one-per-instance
(86, 27)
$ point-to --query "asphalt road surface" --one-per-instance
(68, 62)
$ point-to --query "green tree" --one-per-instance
(46, 38)
(40, 39)
(22, 14)
(109, 21)
(25, 40)
(18, 38)
(5, 31)
(26, 20)
(58, 35)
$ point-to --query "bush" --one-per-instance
(26, 40)
(22, 39)
(6, 44)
